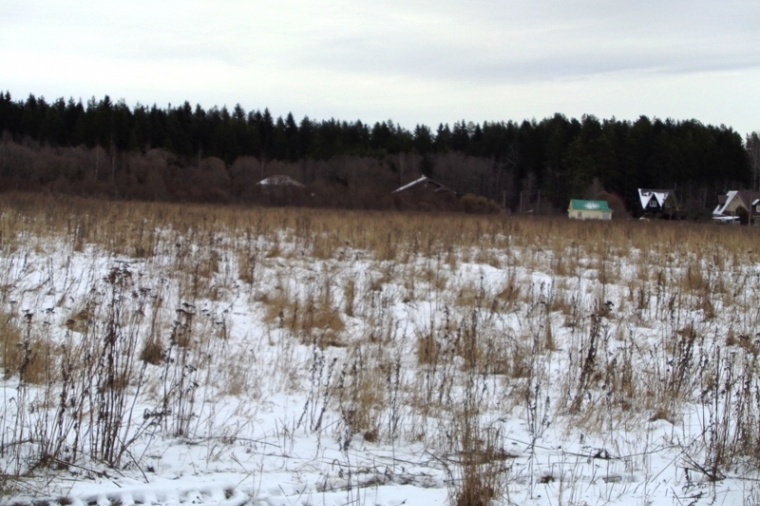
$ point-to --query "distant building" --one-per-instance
(425, 194)
(424, 185)
(280, 180)
(589, 210)
(658, 202)
(738, 205)
(280, 190)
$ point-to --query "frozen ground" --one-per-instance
(269, 407)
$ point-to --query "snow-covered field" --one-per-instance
(302, 358)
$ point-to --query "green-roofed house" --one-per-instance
(589, 210)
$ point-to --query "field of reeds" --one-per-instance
(346, 357)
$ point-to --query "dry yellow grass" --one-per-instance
(325, 278)
(132, 228)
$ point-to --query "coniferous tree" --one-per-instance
(422, 140)
(753, 151)
(292, 148)
(551, 160)
(460, 137)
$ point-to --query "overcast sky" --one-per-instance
(412, 61)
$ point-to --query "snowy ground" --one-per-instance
(271, 407)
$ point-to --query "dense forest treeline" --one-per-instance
(187, 153)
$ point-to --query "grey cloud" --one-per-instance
(496, 45)
(331, 54)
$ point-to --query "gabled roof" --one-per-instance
(424, 181)
(646, 195)
(748, 198)
(589, 205)
(724, 202)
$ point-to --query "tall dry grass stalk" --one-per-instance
(398, 316)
